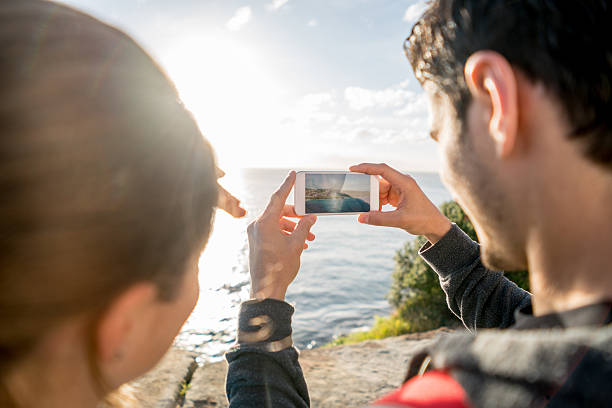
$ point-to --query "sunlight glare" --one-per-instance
(236, 99)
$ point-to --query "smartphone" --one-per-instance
(335, 192)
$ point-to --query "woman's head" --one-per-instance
(107, 186)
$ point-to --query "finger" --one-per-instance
(305, 246)
(288, 234)
(220, 173)
(277, 201)
(289, 226)
(380, 169)
(289, 211)
(303, 228)
(381, 218)
(230, 204)
(384, 187)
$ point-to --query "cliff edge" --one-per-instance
(340, 376)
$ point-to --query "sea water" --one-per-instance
(343, 280)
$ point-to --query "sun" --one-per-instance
(235, 98)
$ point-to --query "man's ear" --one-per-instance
(492, 82)
(120, 323)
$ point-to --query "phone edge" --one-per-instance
(299, 193)
(374, 193)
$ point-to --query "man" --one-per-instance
(521, 93)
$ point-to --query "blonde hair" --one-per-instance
(105, 178)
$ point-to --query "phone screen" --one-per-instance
(337, 193)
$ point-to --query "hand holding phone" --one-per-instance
(335, 192)
(276, 244)
(414, 212)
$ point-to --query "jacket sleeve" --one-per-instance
(263, 365)
(480, 297)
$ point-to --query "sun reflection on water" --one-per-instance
(343, 279)
(224, 284)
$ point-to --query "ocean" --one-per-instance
(342, 283)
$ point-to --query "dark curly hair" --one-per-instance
(565, 45)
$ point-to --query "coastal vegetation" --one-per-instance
(418, 301)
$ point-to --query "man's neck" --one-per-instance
(569, 247)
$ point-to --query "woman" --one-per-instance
(107, 193)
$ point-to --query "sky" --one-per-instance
(303, 84)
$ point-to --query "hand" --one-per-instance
(276, 244)
(414, 212)
(226, 201)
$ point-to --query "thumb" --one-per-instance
(278, 199)
(303, 228)
(385, 219)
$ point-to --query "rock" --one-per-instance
(207, 387)
(160, 387)
(342, 376)
(355, 375)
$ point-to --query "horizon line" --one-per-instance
(299, 168)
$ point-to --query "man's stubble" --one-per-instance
(485, 196)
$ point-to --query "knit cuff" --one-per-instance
(454, 251)
(265, 324)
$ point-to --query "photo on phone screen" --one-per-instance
(337, 193)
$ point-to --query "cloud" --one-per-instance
(313, 23)
(241, 17)
(385, 116)
(361, 98)
(313, 108)
(363, 123)
(355, 124)
(415, 11)
(315, 101)
(276, 4)
(417, 105)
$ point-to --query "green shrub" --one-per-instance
(419, 302)
(383, 327)
(415, 291)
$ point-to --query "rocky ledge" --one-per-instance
(340, 376)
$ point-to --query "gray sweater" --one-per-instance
(549, 365)
(480, 297)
